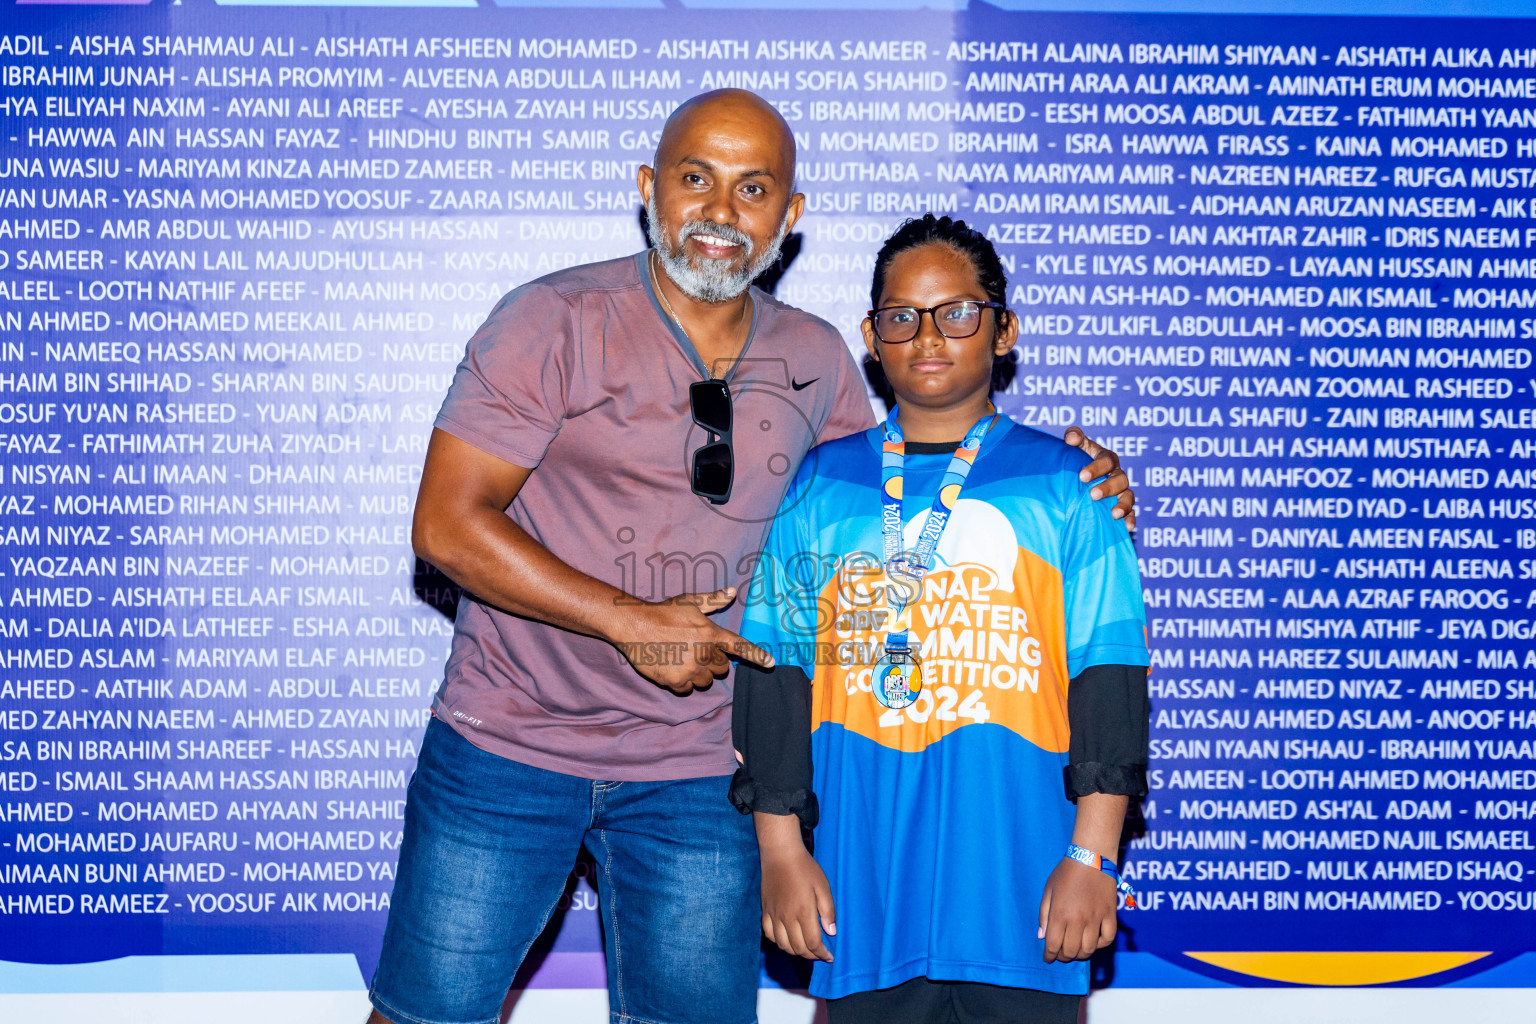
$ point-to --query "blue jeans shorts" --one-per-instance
(489, 844)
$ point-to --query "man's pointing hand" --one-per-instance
(675, 644)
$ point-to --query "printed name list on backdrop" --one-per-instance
(1282, 265)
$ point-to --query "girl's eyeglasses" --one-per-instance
(895, 325)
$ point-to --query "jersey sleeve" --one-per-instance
(509, 393)
(1106, 621)
(782, 601)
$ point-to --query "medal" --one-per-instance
(898, 675)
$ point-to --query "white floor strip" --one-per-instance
(590, 1006)
(186, 1008)
(1310, 1005)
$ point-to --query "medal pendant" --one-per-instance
(898, 678)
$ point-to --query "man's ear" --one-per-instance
(645, 180)
(871, 343)
(795, 212)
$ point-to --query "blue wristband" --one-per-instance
(1104, 864)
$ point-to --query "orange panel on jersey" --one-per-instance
(993, 649)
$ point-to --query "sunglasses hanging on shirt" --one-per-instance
(713, 462)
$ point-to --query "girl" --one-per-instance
(960, 641)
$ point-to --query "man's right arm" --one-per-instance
(461, 526)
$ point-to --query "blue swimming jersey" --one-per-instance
(940, 823)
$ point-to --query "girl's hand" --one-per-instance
(1077, 912)
(797, 901)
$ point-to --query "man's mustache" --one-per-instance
(724, 232)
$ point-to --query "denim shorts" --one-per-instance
(489, 844)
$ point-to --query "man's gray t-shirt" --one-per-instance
(582, 377)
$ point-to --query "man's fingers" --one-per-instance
(1125, 508)
(710, 602)
(699, 678)
(744, 650)
(1117, 485)
(1115, 482)
(1105, 464)
(1078, 439)
(713, 660)
(1045, 913)
(791, 941)
(682, 687)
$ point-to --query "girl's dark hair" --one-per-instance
(956, 234)
(974, 246)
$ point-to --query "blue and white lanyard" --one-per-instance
(914, 566)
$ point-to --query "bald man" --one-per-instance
(601, 474)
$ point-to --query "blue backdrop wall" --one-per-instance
(1283, 264)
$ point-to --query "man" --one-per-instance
(595, 531)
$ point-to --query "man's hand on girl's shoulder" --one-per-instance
(1105, 464)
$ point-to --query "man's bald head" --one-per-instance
(722, 195)
(734, 112)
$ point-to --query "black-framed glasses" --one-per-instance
(896, 325)
(713, 462)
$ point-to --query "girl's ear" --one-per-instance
(871, 343)
(1007, 333)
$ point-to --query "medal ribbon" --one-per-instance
(914, 566)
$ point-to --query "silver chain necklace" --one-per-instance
(656, 278)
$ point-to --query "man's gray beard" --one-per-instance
(714, 281)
